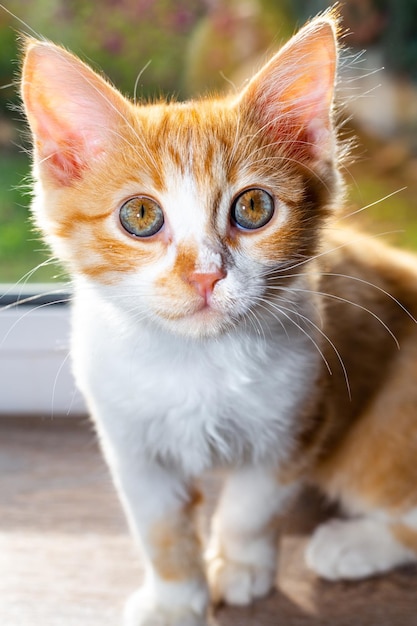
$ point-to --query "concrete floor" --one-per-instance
(66, 558)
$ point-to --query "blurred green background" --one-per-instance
(195, 46)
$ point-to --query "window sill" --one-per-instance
(35, 370)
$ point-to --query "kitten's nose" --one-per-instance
(205, 282)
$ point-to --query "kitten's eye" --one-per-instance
(252, 209)
(141, 216)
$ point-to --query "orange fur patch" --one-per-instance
(174, 286)
(405, 535)
(174, 545)
(369, 462)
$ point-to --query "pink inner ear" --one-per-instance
(70, 109)
(63, 151)
(293, 93)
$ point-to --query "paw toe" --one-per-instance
(139, 611)
(238, 583)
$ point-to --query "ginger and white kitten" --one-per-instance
(221, 317)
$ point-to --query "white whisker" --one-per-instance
(61, 367)
(355, 278)
(138, 77)
(368, 206)
(29, 311)
(323, 334)
(341, 299)
(324, 253)
(280, 310)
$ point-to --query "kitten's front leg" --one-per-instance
(242, 555)
(160, 506)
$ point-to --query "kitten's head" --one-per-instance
(181, 212)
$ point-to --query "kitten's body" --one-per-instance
(216, 389)
(268, 349)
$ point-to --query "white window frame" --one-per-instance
(35, 368)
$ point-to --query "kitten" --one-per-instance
(222, 318)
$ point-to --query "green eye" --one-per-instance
(252, 209)
(141, 216)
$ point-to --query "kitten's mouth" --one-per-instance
(203, 306)
(203, 320)
(204, 310)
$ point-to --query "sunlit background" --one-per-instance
(182, 48)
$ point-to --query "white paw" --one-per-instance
(353, 549)
(238, 583)
(140, 610)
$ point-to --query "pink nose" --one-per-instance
(205, 282)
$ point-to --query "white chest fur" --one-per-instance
(192, 403)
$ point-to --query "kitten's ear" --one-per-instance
(292, 96)
(72, 112)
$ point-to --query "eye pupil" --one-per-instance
(252, 209)
(141, 216)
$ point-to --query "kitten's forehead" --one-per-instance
(194, 139)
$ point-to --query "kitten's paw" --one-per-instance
(238, 583)
(141, 610)
(353, 549)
